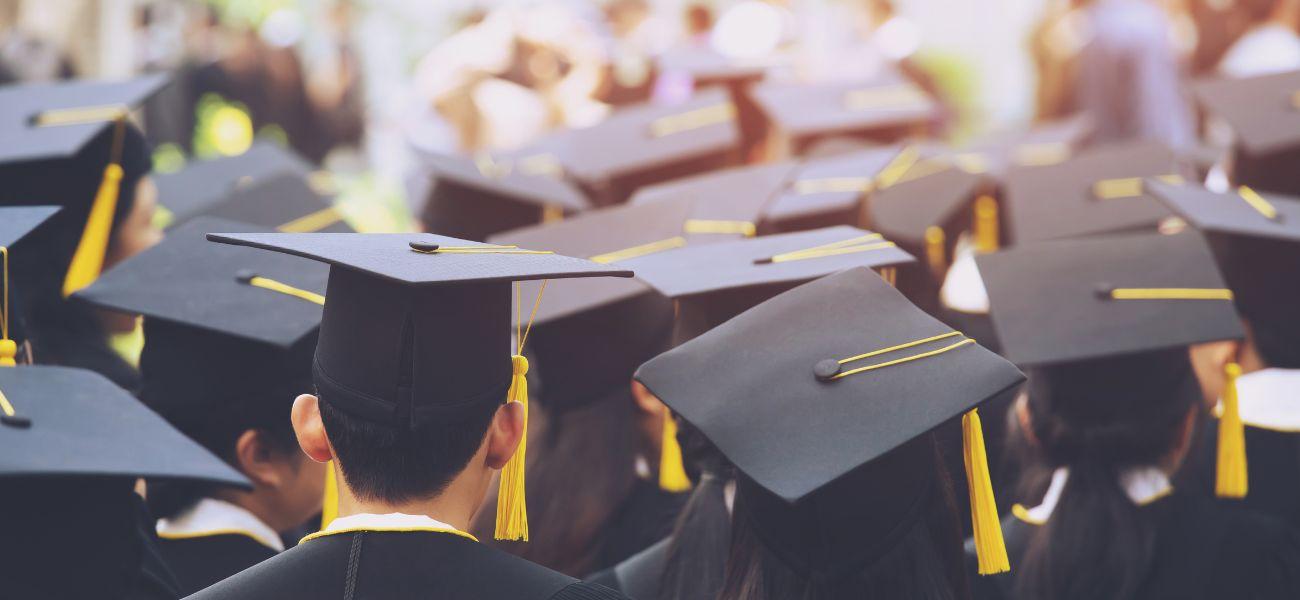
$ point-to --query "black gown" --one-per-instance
(1273, 470)
(199, 562)
(644, 517)
(1203, 551)
(400, 565)
(637, 577)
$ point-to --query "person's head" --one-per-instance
(1099, 418)
(918, 557)
(233, 397)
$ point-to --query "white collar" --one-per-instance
(211, 516)
(390, 521)
(963, 288)
(1269, 399)
(1143, 485)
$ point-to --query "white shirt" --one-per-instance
(963, 288)
(1143, 485)
(217, 517)
(1269, 399)
(385, 522)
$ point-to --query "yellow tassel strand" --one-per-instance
(512, 506)
(329, 507)
(89, 258)
(936, 250)
(8, 349)
(672, 474)
(987, 236)
(990, 549)
(1231, 476)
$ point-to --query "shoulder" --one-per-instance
(581, 590)
(202, 561)
(305, 571)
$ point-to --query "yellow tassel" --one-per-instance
(989, 547)
(329, 506)
(8, 350)
(986, 224)
(672, 475)
(89, 259)
(1231, 480)
(936, 250)
(512, 507)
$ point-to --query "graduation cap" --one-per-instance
(52, 121)
(416, 328)
(282, 201)
(15, 223)
(1263, 113)
(729, 202)
(650, 143)
(882, 108)
(229, 331)
(828, 191)
(1241, 212)
(475, 197)
(1096, 191)
(66, 422)
(831, 490)
(201, 185)
(718, 281)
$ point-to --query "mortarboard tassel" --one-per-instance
(8, 349)
(936, 250)
(672, 474)
(986, 224)
(89, 258)
(1230, 475)
(329, 506)
(989, 546)
(512, 506)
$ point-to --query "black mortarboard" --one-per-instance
(283, 201)
(229, 331)
(707, 67)
(42, 121)
(727, 202)
(17, 221)
(1263, 113)
(1243, 212)
(828, 191)
(1097, 191)
(60, 421)
(473, 198)
(201, 185)
(911, 199)
(716, 282)
(590, 334)
(882, 109)
(417, 329)
(815, 399)
(1071, 300)
(650, 143)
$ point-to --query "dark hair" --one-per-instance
(382, 463)
(580, 469)
(1261, 273)
(62, 331)
(1099, 417)
(697, 550)
(927, 563)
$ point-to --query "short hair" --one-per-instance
(384, 464)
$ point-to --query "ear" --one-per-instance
(309, 429)
(1024, 419)
(256, 459)
(1208, 361)
(645, 400)
(504, 434)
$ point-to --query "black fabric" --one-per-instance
(398, 566)
(203, 184)
(1273, 463)
(156, 580)
(272, 202)
(644, 517)
(20, 105)
(202, 561)
(1202, 551)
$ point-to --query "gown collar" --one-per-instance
(210, 516)
(400, 522)
(1269, 399)
(1143, 485)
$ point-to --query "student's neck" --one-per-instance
(1249, 359)
(255, 502)
(455, 506)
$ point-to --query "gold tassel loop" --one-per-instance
(672, 473)
(1231, 479)
(990, 549)
(8, 348)
(329, 506)
(89, 258)
(512, 505)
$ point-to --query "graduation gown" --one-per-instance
(381, 562)
(645, 516)
(637, 577)
(212, 541)
(1202, 551)
(1269, 402)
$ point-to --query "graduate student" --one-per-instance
(72, 145)
(74, 445)
(1110, 409)
(1256, 239)
(227, 349)
(421, 398)
(830, 414)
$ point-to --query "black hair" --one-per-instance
(1099, 417)
(383, 463)
(927, 563)
(63, 331)
(697, 550)
(1262, 275)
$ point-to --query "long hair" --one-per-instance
(62, 331)
(1099, 418)
(926, 564)
(697, 550)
